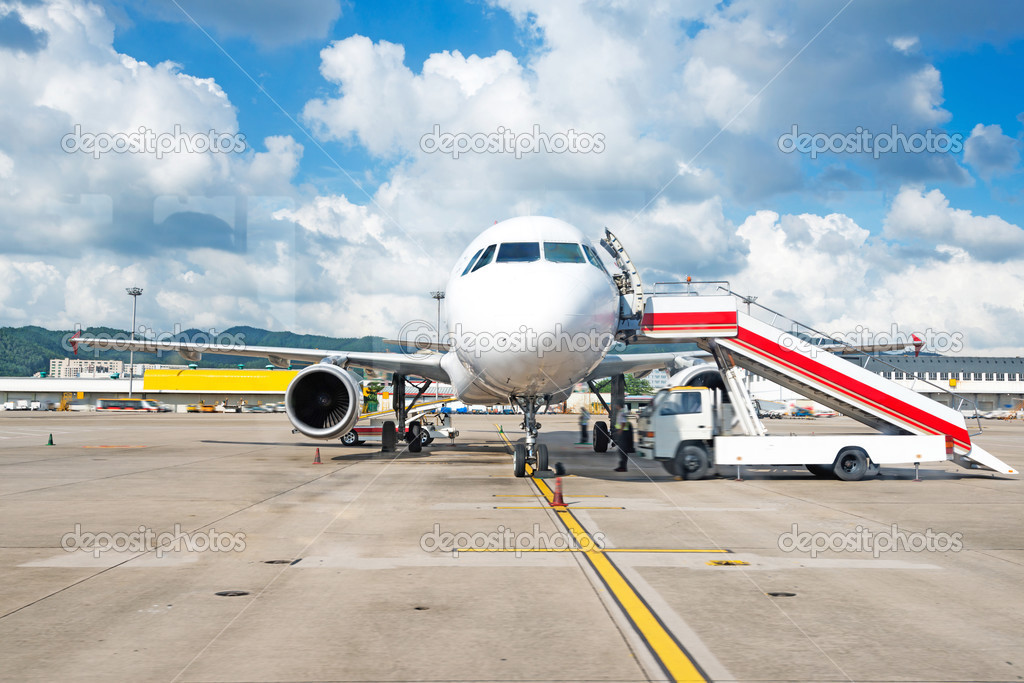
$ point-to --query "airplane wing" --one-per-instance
(640, 364)
(422, 364)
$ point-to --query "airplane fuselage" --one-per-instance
(531, 312)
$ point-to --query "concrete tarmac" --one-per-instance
(345, 571)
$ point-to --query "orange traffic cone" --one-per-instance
(316, 460)
(557, 501)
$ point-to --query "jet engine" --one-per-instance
(324, 401)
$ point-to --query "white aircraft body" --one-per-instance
(531, 312)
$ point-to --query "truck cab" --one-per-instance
(680, 425)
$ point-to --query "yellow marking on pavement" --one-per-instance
(668, 652)
(501, 433)
(670, 655)
(602, 550)
(549, 507)
(727, 563)
(668, 550)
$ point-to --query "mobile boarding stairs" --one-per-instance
(677, 312)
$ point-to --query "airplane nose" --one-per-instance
(539, 335)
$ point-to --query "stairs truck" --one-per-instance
(693, 430)
(707, 419)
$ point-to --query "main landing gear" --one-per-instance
(530, 451)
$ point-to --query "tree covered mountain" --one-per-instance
(25, 351)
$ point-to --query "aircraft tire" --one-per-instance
(601, 437)
(542, 457)
(519, 460)
(388, 437)
(415, 438)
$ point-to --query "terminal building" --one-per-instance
(67, 368)
(965, 383)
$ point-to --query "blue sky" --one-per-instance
(689, 100)
(977, 78)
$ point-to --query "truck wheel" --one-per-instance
(542, 457)
(351, 439)
(388, 437)
(601, 437)
(823, 471)
(691, 462)
(519, 460)
(851, 464)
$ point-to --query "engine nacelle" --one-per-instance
(324, 401)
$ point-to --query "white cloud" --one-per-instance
(905, 44)
(926, 220)
(990, 152)
(223, 239)
(828, 272)
(725, 99)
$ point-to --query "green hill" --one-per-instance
(25, 351)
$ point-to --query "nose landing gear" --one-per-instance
(530, 451)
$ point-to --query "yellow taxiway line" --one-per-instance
(668, 652)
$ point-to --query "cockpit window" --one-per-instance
(485, 258)
(471, 262)
(518, 252)
(594, 258)
(563, 252)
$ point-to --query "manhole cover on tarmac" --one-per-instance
(231, 594)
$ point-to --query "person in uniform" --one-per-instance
(624, 428)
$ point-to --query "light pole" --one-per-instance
(438, 295)
(134, 293)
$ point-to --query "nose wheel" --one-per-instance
(530, 451)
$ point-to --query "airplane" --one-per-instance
(532, 311)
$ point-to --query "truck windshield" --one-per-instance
(680, 403)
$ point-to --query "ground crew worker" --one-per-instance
(584, 421)
(624, 428)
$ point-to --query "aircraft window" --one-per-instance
(563, 252)
(485, 258)
(518, 252)
(594, 258)
(471, 262)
